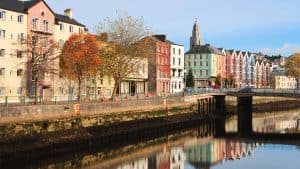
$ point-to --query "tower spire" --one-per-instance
(195, 39)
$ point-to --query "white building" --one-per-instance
(176, 68)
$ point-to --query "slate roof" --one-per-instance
(23, 6)
(205, 49)
(66, 19)
(17, 6)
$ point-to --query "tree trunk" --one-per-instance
(79, 90)
(117, 83)
(36, 91)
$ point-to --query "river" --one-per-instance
(194, 148)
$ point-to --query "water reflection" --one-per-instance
(286, 122)
(191, 149)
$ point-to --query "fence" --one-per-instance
(25, 100)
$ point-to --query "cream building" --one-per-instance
(177, 68)
(13, 29)
(19, 20)
(65, 26)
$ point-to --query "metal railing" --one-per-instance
(25, 100)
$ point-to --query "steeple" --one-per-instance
(195, 39)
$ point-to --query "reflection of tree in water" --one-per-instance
(217, 151)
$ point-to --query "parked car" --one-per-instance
(189, 90)
(246, 90)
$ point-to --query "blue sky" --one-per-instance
(270, 26)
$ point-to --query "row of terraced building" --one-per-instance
(234, 68)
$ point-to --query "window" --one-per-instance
(200, 63)
(166, 50)
(2, 15)
(19, 54)
(19, 72)
(157, 49)
(20, 18)
(61, 90)
(46, 26)
(61, 27)
(2, 71)
(173, 60)
(2, 52)
(200, 72)
(20, 37)
(195, 63)
(80, 30)
(189, 63)
(200, 56)
(2, 91)
(179, 52)
(61, 42)
(70, 28)
(35, 23)
(20, 91)
(206, 63)
(2, 34)
(173, 50)
(179, 61)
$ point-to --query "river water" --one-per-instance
(196, 148)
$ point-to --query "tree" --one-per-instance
(190, 79)
(123, 47)
(218, 80)
(292, 67)
(42, 55)
(79, 58)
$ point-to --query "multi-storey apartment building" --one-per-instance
(177, 68)
(159, 65)
(13, 29)
(30, 20)
(205, 61)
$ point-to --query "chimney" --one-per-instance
(69, 13)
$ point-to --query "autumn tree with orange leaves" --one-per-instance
(79, 58)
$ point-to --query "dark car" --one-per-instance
(246, 90)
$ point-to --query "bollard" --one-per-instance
(77, 109)
(6, 101)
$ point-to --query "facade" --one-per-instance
(30, 20)
(159, 65)
(13, 29)
(280, 81)
(177, 68)
(135, 84)
(205, 63)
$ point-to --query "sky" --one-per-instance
(268, 26)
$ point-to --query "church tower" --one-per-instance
(195, 39)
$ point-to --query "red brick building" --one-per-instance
(159, 66)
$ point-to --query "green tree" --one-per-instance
(190, 79)
(218, 80)
(292, 67)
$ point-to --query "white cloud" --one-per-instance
(286, 49)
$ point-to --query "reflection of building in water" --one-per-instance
(177, 158)
(141, 163)
(206, 155)
(269, 123)
(287, 124)
(163, 160)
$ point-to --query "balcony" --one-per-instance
(41, 31)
